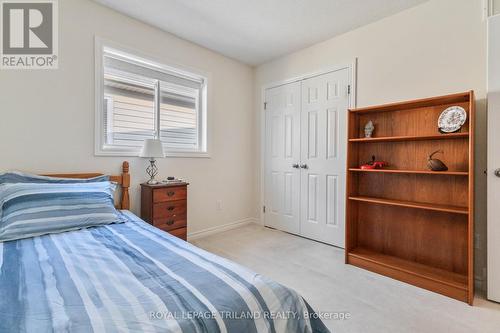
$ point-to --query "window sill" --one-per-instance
(179, 154)
(187, 154)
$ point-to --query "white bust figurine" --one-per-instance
(369, 128)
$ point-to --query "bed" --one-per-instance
(132, 277)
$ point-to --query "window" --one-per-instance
(495, 7)
(492, 7)
(140, 99)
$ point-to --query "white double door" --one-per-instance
(305, 157)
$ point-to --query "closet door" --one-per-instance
(282, 156)
(325, 100)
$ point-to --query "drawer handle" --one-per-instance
(170, 222)
(170, 193)
(171, 208)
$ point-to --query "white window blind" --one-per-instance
(129, 111)
(143, 100)
(178, 118)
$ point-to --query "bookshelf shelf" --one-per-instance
(411, 204)
(422, 172)
(412, 138)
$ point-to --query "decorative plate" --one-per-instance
(452, 119)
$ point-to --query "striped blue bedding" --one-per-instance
(132, 277)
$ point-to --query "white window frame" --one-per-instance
(109, 106)
(100, 148)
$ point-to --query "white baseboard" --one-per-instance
(221, 228)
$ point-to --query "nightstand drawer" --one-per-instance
(181, 233)
(170, 223)
(169, 194)
(169, 209)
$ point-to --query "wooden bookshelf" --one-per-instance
(405, 221)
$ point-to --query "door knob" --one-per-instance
(497, 172)
(295, 166)
(304, 166)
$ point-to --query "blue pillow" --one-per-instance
(33, 209)
(21, 177)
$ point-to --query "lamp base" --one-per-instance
(152, 171)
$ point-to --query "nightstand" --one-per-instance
(165, 207)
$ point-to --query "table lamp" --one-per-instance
(152, 149)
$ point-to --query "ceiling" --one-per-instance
(257, 31)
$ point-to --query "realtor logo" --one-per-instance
(29, 34)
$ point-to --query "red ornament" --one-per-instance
(374, 164)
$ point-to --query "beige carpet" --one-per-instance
(375, 303)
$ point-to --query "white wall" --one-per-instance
(47, 117)
(436, 48)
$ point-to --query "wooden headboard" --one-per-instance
(122, 180)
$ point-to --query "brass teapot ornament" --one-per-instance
(435, 164)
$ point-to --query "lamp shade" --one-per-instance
(152, 148)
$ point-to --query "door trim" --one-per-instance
(353, 69)
(492, 266)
